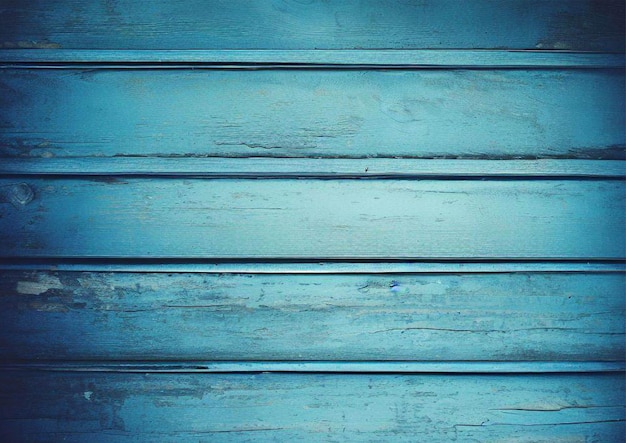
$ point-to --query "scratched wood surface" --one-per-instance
(329, 220)
(219, 218)
(310, 407)
(408, 317)
(292, 24)
(434, 113)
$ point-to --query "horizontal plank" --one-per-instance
(334, 24)
(325, 367)
(417, 114)
(312, 219)
(312, 167)
(303, 267)
(432, 317)
(310, 407)
(335, 59)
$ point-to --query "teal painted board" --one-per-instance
(313, 219)
(407, 317)
(319, 220)
(313, 113)
(335, 24)
(78, 407)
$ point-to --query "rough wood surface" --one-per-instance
(310, 407)
(294, 24)
(316, 219)
(434, 113)
(438, 317)
(190, 250)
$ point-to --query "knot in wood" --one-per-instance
(20, 194)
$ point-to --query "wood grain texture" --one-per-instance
(310, 407)
(308, 58)
(335, 24)
(425, 114)
(211, 157)
(438, 317)
(314, 219)
(312, 167)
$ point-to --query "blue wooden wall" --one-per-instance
(280, 220)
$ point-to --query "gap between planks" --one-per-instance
(268, 167)
(377, 367)
(164, 265)
(307, 59)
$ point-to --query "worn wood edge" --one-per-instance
(379, 367)
(299, 267)
(259, 167)
(333, 59)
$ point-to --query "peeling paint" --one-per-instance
(44, 284)
(23, 44)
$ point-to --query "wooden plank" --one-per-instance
(333, 24)
(432, 317)
(500, 114)
(312, 219)
(325, 367)
(313, 167)
(310, 407)
(335, 59)
(304, 267)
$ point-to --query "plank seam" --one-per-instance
(294, 168)
(298, 266)
(308, 59)
(356, 367)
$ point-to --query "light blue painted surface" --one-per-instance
(312, 219)
(334, 24)
(312, 407)
(434, 317)
(117, 346)
(442, 113)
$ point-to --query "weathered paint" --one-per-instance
(500, 114)
(154, 267)
(310, 407)
(435, 317)
(331, 24)
(316, 219)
